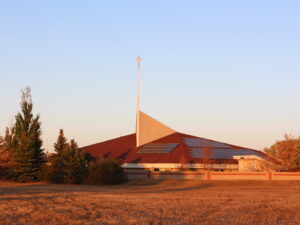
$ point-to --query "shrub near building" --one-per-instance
(105, 171)
(70, 165)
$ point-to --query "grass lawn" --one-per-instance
(152, 202)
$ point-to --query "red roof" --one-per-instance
(190, 149)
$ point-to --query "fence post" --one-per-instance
(270, 175)
(208, 175)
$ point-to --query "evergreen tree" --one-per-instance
(8, 139)
(56, 171)
(68, 165)
(75, 164)
(61, 143)
(25, 141)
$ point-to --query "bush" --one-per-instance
(296, 160)
(6, 163)
(7, 173)
(106, 172)
(53, 173)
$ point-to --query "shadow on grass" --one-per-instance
(27, 198)
(38, 189)
(132, 187)
(180, 189)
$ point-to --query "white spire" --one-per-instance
(148, 129)
(138, 102)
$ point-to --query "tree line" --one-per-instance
(23, 159)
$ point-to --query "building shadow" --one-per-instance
(180, 189)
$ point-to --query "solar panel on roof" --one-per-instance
(199, 142)
(158, 148)
(216, 153)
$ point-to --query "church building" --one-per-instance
(157, 147)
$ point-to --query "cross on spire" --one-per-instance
(139, 59)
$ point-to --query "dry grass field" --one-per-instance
(152, 202)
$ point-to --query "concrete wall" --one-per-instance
(179, 175)
(255, 164)
(169, 166)
(285, 176)
(137, 174)
(247, 165)
(140, 174)
(239, 176)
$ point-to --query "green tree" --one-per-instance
(61, 143)
(68, 164)
(56, 170)
(25, 142)
(75, 164)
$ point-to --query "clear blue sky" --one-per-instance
(224, 70)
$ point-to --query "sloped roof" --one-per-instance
(187, 149)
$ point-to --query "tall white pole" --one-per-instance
(138, 103)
